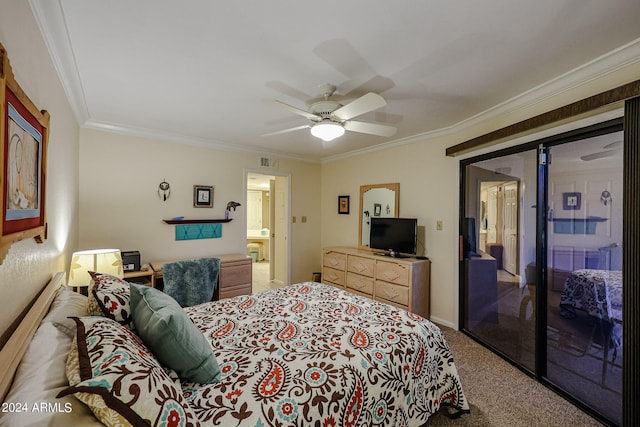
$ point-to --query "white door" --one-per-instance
(492, 213)
(254, 210)
(510, 231)
(280, 232)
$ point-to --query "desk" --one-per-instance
(234, 278)
(142, 277)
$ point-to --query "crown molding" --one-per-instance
(186, 140)
(625, 56)
(56, 38)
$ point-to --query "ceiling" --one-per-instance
(199, 71)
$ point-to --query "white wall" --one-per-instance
(119, 205)
(429, 180)
(28, 265)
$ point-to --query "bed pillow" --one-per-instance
(66, 304)
(171, 335)
(113, 372)
(109, 297)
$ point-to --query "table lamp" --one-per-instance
(106, 261)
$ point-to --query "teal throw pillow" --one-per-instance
(171, 335)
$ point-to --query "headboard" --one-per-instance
(15, 347)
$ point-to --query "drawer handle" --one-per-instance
(391, 275)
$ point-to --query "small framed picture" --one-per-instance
(571, 201)
(343, 205)
(202, 196)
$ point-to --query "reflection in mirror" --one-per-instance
(381, 200)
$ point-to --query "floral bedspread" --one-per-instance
(313, 355)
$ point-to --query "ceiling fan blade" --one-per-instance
(599, 155)
(286, 130)
(370, 128)
(368, 102)
(617, 144)
(293, 109)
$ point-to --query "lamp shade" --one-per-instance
(327, 130)
(106, 261)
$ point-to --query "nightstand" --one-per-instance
(142, 277)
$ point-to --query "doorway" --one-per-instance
(267, 201)
(543, 287)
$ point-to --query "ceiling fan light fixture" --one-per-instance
(327, 131)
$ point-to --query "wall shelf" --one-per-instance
(195, 221)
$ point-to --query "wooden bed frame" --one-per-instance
(15, 347)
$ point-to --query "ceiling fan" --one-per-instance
(608, 150)
(330, 119)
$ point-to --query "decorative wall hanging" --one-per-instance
(571, 201)
(202, 196)
(164, 191)
(24, 133)
(231, 205)
(605, 197)
(198, 231)
(343, 205)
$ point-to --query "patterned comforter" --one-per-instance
(313, 355)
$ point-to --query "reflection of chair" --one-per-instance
(191, 282)
(610, 257)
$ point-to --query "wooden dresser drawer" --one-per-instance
(362, 284)
(234, 291)
(335, 260)
(395, 293)
(395, 304)
(333, 275)
(392, 272)
(235, 274)
(360, 265)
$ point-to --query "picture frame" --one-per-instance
(343, 205)
(24, 135)
(202, 196)
(571, 201)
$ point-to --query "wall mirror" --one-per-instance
(381, 200)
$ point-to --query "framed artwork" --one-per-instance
(343, 205)
(24, 132)
(571, 201)
(202, 196)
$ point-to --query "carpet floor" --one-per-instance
(501, 395)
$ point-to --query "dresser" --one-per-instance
(234, 277)
(401, 282)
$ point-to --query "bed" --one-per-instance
(307, 354)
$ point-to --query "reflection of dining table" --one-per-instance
(597, 292)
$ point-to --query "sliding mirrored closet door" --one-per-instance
(541, 261)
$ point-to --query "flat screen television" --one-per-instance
(397, 235)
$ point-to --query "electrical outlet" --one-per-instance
(293, 219)
(439, 225)
(303, 218)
